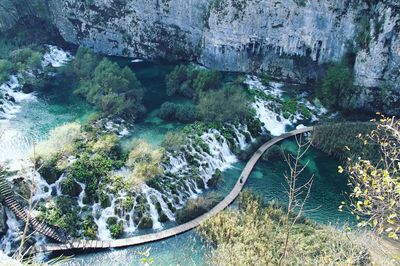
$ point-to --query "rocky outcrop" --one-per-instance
(3, 219)
(289, 39)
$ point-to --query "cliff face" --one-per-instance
(290, 39)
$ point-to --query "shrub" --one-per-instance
(194, 208)
(189, 81)
(226, 105)
(145, 163)
(85, 63)
(173, 141)
(113, 90)
(207, 80)
(26, 58)
(253, 235)
(6, 69)
(337, 85)
(184, 113)
(62, 212)
(89, 228)
(340, 139)
(60, 140)
(116, 227)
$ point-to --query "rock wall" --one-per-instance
(289, 39)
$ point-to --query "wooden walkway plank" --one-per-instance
(228, 200)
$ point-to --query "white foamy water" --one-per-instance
(55, 57)
(16, 146)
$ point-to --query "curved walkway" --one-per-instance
(141, 239)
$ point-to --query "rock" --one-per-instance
(3, 220)
(70, 187)
(145, 222)
(215, 179)
(8, 97)
(27, 88)
(285, 39)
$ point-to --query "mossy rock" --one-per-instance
(105, 201)
(163, 217)
(49, 171)
(70, 187)
(215, 179)
(171, 207)
(145, 222)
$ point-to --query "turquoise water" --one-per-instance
(266, 181)
(58, 105)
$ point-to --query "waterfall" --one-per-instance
(11, 238)
(82, 194)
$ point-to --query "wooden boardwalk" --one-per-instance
(141, 239)
(8, 198)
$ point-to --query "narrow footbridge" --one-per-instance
(7, 196)
(141, 239)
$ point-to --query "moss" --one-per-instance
(89, 228)
(215, 179)
(63, 212)
(70, 187)
(49, 171)
(145, 222)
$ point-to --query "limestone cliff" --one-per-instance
(290, 39)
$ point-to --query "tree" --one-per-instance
(6, 69)
(375, 185)
(225, 105)
(190, 81)
(85, 63)
(114, 90)
(297, 194)
(336, 85)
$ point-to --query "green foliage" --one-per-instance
(363, 36)
(337, 85)
(85, 63)
(60, 141)
(6, 69)
(173, 141)
(116, 227)
(145, 162)
(254, 235)
(340, 140)
(206, 80)
(90, 228)
(184, 113)
(70, 187)
(194, 208)
(89, 169)
(63, 212)
(26, 58)
(112, 90)
(228, 104)
(189, 81)
(375, 197)
(49, 170)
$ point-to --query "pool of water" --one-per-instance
(266, 181)
(58, 105)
